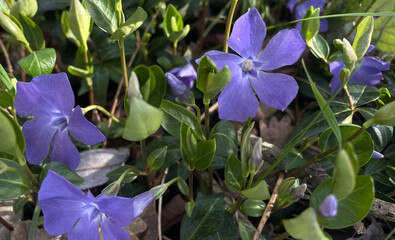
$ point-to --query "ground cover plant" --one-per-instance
(205, 119)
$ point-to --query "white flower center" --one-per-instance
(247, 65)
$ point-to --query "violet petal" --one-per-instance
(64, 151)
(377, 155)
(275, 89)
(222, 59)
(110, 230)
(285, 48)
(248, 34)
(369, 73)
(119, 209)
(335, 67)
(178, 87)
(328, 207)
(85, 229)
(141, 201)
(83, 130)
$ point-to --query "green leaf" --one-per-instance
(363, 37)
(11, 25)
(233, 175)
(327, 112)
(205, 72)
(253, 208)
(12, 185)
(6, 99)
(362, 144)
(351, 209)
(310, 28)
(143, 120)
(11, 131)
(173, 149)
(385, 115)
(209, 220)
(204, 154)
(189, 208)
(178, 36)
(79, 21)
(39, 62)
(6, 81)
(246, 233)
(66, 172)
(225, 136)
(259, 191)
(172, 22)
(129, 177)
(188, 144)
(305, 226)
(384, 34)
(32, 33)
(78, 72)
(156, 158)
(101, 80)
(246, 148)
(131, 25)
(19, 204)
(25, 7)
(104, 14)
(175, 115)
(319, 47)
(343, 180)
(64, 21)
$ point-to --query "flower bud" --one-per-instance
(377, 155)
(328, 207)
(298, 192)
(256, 157)
(179, 89)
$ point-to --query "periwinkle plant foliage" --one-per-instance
(340, 98)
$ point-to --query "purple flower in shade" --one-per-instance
(377, 155)
(50, 100)
(301, 9)
(178, 87)
(328, 207)
(68, 210)
(367, 71)
(237, 101)
(187, 74)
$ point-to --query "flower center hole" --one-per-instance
(247, 65)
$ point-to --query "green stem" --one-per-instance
(22, 162)
(349, 98)
(233, 209)
(33, 226)
(123, 64)
(190, 182)
(29, 49)
(144, 154)
(390, 234)
(8, 4)
(103, 110)
(229, 23)
(173, 62)
(207, 128)
(197, 109)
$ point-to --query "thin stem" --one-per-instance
(6, 224)
(33, 226)
(7, 57)
(144, 154)
(269, 206)
(8, 4)
(350, 101)
(207, 128)
(123, 63)
(22, 162)
(202, 25)
(229, 24)
(160, 204)
(390, 234)
(174, 54)
(234, 209)
(103, 110)
(197, 109)
(190, 182)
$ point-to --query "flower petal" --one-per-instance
(64, 151)
(222, 59)
(83, 130)
(291, 5)
(369, 73)
(302, 9)
(178, 87)
(237, 101)
(119, 209)
(85, 229)
(61, 203)
(377, 154)
(187, 74)
(335, 67)
(285, 48)
(275, 89)
(111, 230)
(48, 93)
(248, 34)
(38, 135)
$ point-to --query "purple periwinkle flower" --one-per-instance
(237, 101)
(367, 71)
(299, 10)
(178, 87)
(67, 209)
(187, 74)
(50, 100)
(328, 207)
(377, 155)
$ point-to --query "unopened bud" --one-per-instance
(298, 192)
(256, 156)
(377, 155)
(338, 44)
(179, 89)
(328, 207)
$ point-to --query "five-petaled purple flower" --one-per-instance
(50, 100)
(237, 101)
(68, 210)
(328, 207)
(367, 71)
(301, 9)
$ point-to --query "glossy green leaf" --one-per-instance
(225, 136)
(319, 47)
(188, 144)
(305, 226)
(6, 99)
(233, 175)
(246, 233)
(143, 120)
(79, 21)
(173, 149)
(209, 220)
(363, 37)
(156, 158)
(25, 7)
(101, 80)
(327, 112)
(310, 28)
(351, 209)
(343, 180)
(10, 130)
(172, 22)
(246, 148)
(259, 191)
(175, 115)
(362, 144)
(205, 72)
(178, 36)
(12, 185)
(204, 154)
(64, 21)
(66, 172)
(131, 25)
(384, 34)
(78, 72)
(104, 14)
(253, 208)
(360, 94)
(11, 25)
(39, 62)
(158, 88)
(32, 33)
(6, 82)
(189, 208)
(385, 115)
(129, 177)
